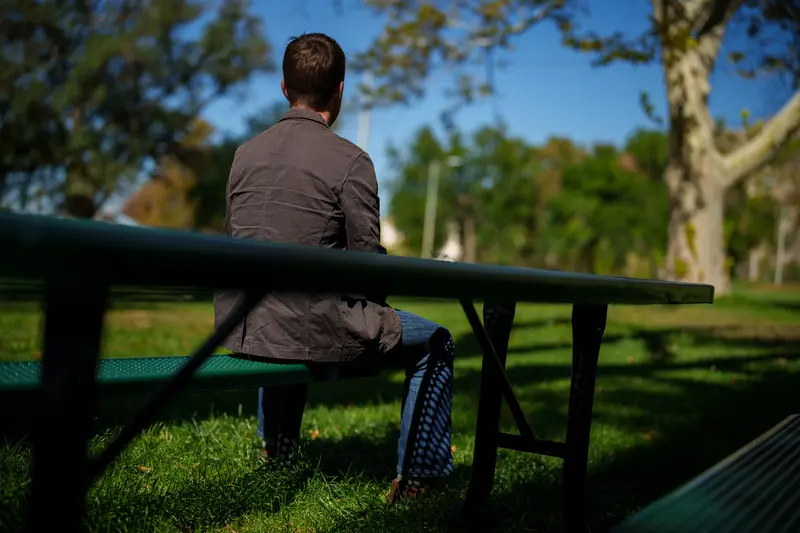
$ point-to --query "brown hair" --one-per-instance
(313, 68)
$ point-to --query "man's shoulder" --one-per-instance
(317, 137)
(325, 140)
(350, 147)
(257, 141)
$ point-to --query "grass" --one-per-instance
(678, 389)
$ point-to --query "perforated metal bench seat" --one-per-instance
(218, 373)
(755, 490)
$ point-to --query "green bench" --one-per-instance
(219, 372)
(757, 489)
(122, 383)
(78, 263)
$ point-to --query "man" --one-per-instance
(298, 182)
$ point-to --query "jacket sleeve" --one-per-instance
(362, 207)
(362, 211)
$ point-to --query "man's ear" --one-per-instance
(341, 90)
(284, 91)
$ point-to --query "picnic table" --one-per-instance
(79, 261)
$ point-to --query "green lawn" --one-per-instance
(678, 389)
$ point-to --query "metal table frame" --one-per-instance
(79, 261)
(73, 329)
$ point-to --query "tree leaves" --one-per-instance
(539, 205)
(100, 91)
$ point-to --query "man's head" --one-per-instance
(313, 74)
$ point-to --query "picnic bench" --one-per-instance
(756, 489)
(79, 261)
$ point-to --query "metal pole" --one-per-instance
(364, 117)
(429, 225)
(781, 251)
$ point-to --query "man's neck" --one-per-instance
(326, 115)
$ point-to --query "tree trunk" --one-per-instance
(80, 206)
(696, 251)
(470, 239)
(696, 175)
(79, 198)
(755, 262)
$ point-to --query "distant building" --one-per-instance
(116, 218)
(452, 249)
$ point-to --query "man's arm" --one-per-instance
(362, 207)
(362, 211)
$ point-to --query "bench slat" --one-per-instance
(219, 372)
(757, 489)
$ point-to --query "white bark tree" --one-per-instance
(686, 36)
(698, 174)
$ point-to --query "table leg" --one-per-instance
(588, 325)
(498, 319)
(74, 312)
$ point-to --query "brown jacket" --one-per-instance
(298, 182)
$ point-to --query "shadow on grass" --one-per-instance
(682, 429)
(199, 505)
(726, 418)
(671, 448)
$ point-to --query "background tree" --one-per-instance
(506, 187)
(684, 35)
(93, 91)
(409, 186)
(650, 150)
(165, 200)
(606, 216)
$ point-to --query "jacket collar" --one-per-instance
(307, 114)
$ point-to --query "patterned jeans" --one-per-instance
(423, 451)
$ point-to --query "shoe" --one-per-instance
(281, 449)
(403, 489)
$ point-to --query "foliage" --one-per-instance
(164, 201)
(604, 213)
(420, 37)
(649, 149)
(685, 36)
(751, 221)
(408, 189)
(551, 205)
(491, 193)
(93, 91)
(505, 171)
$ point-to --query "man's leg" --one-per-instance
(426, 354)
(280, 415)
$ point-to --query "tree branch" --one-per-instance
(717, 12)
(759, 151)
(714, 16)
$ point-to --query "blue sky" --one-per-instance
(545, 90)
